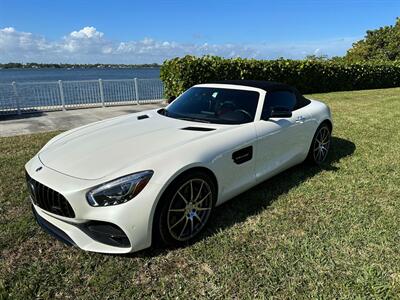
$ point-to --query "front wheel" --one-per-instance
(185, 209)
(320, 145)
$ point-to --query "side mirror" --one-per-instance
(280, 112)
(170, 99)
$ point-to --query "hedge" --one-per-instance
(309, 76)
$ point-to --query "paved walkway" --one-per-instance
(63, 120)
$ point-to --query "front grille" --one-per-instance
(48, 199)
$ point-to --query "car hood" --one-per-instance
(100, 149)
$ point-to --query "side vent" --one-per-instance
(243, 155)
(141, 117)
(198, 128)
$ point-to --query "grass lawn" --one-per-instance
(327, 232)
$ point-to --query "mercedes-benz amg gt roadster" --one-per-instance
(155, 177)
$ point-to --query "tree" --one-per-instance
(381, 44)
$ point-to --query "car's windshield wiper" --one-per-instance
(165, 112)
(193, 119)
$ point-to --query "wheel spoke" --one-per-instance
(184, 227)
(326, 135)
(204, 198)
(203, 208)
(319, 154)
(199, 192)
(180, 220)
(191, 226)
(191, 190)
(323, 156)
(323, 153)
(183, 198)
(177, 209)
(198, 218)
(322, 135)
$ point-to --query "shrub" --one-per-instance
(309, 76)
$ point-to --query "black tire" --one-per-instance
(181, 217)
(320, 145)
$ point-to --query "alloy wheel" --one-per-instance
(321, 144)
(189, 209)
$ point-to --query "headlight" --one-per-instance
(119, 190)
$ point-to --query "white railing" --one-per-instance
(27, 97)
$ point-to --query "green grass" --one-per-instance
(325, 232)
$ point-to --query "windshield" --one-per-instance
(214, 105)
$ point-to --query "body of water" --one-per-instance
(38, 89)
(34, 75)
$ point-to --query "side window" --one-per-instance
(278, 98)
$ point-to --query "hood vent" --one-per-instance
(141, 117)
(198, 128)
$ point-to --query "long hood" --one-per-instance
(102, 148)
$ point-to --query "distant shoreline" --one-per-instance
(77, 66)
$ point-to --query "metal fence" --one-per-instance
(27, 97)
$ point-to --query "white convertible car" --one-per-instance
(121, 184)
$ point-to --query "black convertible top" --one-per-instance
(269, 86)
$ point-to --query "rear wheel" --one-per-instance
(185, 208)
(320, 145)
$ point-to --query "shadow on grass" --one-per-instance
(262, 195)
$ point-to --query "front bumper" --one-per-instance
(81, 236)
(115, 229)
(51, 229)
(72, 234)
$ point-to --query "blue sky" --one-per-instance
(151, 31)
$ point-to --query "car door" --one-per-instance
(280, 140)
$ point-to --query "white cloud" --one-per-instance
(86, 41)
(11, 39)
(88, 32)
(88, 45)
